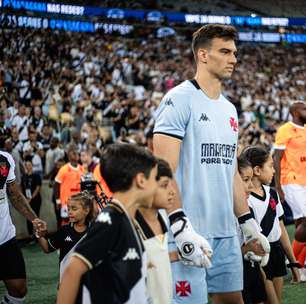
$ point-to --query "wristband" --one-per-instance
(294, 265)
(176, 215)
(243, 218)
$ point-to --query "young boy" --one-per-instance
(153, 230)
(109, 262)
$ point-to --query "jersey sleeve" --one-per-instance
(60, 176)
(281, 139)
(56, 240)
(99, 240)
(279, 209)
(172, 115)
(11, 174)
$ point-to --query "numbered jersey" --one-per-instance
(7, 175)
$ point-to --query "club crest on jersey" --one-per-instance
(272, 203)
(183, 288)
(104, 217)
(4, 170)
(233, 124)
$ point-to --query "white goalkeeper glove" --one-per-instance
(194, 250)
(251, 231)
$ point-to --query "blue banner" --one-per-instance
(151, 16)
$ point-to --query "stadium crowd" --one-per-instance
(76, 87)
(65, 95)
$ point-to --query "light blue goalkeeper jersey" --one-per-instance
(209, 133)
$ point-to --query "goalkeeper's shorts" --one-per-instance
(189, 284)
(226, 273)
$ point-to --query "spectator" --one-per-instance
(31, 184)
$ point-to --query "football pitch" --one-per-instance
(42, 272)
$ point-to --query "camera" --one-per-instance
(89, 184)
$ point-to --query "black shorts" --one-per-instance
(11, 261)
(276, 266)
(253, 283)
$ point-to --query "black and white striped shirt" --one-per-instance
(268, 211)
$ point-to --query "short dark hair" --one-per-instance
(205, 34)
(243, 163)
(121, 162)
(163, 169)
(256, 155)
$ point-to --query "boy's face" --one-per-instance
(149, 189)
(164, 195)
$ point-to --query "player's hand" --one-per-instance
(251, 231)
(40, 227)
(194, 250)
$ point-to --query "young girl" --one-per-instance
(268, 211)
(81, 213)
(253, 279)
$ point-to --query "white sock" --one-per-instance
(12, 300)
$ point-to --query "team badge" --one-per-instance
(272, 203)
(233, 124)
(183, 288)
(4, 170)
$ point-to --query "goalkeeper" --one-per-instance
(196, 131)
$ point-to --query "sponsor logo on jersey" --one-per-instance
(183, 288)
(68, 239)
(131, 255)
(204, 117)
(233, 124)
(104, 217)
(169, 102)
(215, 153)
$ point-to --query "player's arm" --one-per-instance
(20, 204)
(277, 157)
(19, 201)
(70, 282)
(168, 148)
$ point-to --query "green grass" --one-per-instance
(42, 272)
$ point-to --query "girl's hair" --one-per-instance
(243, 163)
(88, 201)
(256, 155)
